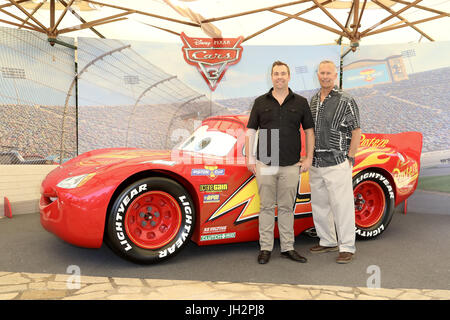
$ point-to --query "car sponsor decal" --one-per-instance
(219, 236)
(209, 171)
(213, 187)
(211, 198)
(214, 229)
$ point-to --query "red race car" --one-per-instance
(147, 205)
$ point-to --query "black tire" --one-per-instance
(150, 221)
(374, 203)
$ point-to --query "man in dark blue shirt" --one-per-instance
(278, 115)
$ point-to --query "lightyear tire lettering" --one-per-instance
(151, 220)
(374, 203)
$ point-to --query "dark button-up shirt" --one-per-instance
(334, 120)
(279, 127)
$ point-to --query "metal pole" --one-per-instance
(75, 81)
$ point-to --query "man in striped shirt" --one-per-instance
(337, 134)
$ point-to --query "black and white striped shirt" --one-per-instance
(334, 119)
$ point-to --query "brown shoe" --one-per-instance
(322, 249)
(344, 257)
(293, 255)
(264, 256)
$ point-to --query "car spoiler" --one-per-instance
(409, 144)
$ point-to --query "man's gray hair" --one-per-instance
(326, 62)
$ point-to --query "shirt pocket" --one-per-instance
(293, 115)
(266, 117)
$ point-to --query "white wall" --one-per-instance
(21, 184)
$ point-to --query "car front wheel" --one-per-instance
(150, 221)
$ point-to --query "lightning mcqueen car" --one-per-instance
(146, 205)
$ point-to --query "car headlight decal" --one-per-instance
(75, 182)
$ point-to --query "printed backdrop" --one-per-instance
(405, 87)
(144, 94)
(140, 94)
(36, 103)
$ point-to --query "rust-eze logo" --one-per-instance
(212, 56)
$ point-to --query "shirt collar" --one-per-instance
(269, 94)
(333, 91)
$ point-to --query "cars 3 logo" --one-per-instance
(212, 56)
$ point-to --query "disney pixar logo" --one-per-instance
(212, 56)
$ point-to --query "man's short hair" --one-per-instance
(326, 62)
(280, 63)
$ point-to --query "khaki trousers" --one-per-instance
(277, 186)
(333, 206)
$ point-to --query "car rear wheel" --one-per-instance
(374, 203)
(150, 221)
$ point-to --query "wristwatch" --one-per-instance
(352, 160)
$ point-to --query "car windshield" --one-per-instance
(209, 142)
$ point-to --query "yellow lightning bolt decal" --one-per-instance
(247, 196)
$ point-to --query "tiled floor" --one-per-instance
(37, 286)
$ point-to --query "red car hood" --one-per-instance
(103, 159)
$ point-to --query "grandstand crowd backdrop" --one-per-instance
(140, 94)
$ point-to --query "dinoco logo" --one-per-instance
(211, 56)
(369, 74)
